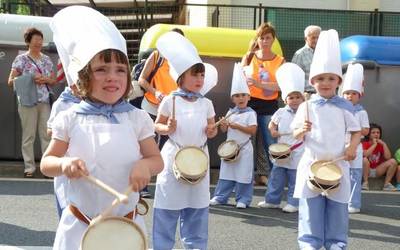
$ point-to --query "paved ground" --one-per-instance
(28, 221)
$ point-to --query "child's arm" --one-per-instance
(368, 152)
(211, 129)
(273, 128)
(54, 163)
(364, 131)
(251, 130)
(351, 151)
(165, 125)
(151, 164)
(224, 125)
(299, 133)
(386, 151)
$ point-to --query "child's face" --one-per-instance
(375, 133)
(108, 80)
(294, 99)
(326, 84)
(240, 100)
(192, 82)
(352, 96)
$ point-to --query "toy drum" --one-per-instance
(190, 165)
(229, 151)
(279, 153)
(117, 233)
(324, 177)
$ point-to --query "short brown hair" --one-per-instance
(29, 33)
(86, 73)
(266, 28)
(196, 68)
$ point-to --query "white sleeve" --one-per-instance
(363, 117)
(53, 113)
(143, 125)
(252, 119)
(276, 117)
(210, 109)
(299, 118)
(61, 126)
(352, 124)
(165, 108)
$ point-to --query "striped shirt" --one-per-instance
(303, 57)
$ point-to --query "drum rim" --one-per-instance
(288, 151)
(315, 187)
(230, 155)
(323, 181)
(119, 218)
(197, 176)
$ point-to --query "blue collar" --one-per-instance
(289, 109)
(240, 110)
(68, 96)
(358, 108)
(87, 107)
(187, 94)
(335, 100)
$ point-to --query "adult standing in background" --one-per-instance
(33, 117)
(261, 64)
(303, 57)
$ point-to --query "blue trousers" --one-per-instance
(276, 185)
(263, 121)
(193, 225)
(243, 192)
(355, 180)
(322, 222)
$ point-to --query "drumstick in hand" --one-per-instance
(332, 161)
(120, 197)
(173, 108)
(223, 119)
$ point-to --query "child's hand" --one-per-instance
(139, 177)
(234, 125)
(171, 124)
(380, 141)
(211, 130)
(350, 153)
(275, 133)
(306, 127)
(224, 123)
(73, 167)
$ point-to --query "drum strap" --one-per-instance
(244, 144)
(296, 146)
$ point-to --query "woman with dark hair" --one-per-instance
(33, 117)
(378, 159)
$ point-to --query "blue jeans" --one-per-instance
(263, 121)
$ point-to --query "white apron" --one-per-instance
(109, 156)
(242, 169)
(191, 124)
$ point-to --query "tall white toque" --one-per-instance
(290, 78)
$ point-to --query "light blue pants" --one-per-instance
(322, 222)
(193, 225)
(276, 185)
(243, 192)
(263, 121)
(355, 180)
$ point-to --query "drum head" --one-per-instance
(116, 233)
(326, 174)
(191, 162)
(228, 149)
(278, 149)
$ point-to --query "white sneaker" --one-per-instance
(353, 210)
(290, 209)
(264, 204)
(240, 205)
(214, 202)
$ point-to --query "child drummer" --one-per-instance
(352, 91)
(290, 78)
(187, 117)
(103, 135)
(240, 126)
(323, 122)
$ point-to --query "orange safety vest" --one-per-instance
(270, 66)
(162, 81)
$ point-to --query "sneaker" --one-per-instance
(240, 205)
(389, 187)
(353, 210)
(398, 186)
(290, 209)
(365, 186)
(263, 204)
(145, 194)
(214, 202)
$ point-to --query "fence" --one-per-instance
(289, 22)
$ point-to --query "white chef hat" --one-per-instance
(354, 78)
(326, 57)
(182, 55)
(80, 33)
(290, 78)
(239, 82)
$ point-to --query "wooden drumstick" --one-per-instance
(283, 134)
(120, 197)
(108, 210)
(332, 161)
(173, 107)
(223, 119)
(307, 112)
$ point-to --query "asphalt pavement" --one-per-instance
(28, 220)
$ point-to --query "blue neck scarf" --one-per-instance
(68, 96)
(187, 94)
(358, 108)
(335, 100)
(87, 107)
(239, 110)
(290, 110)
